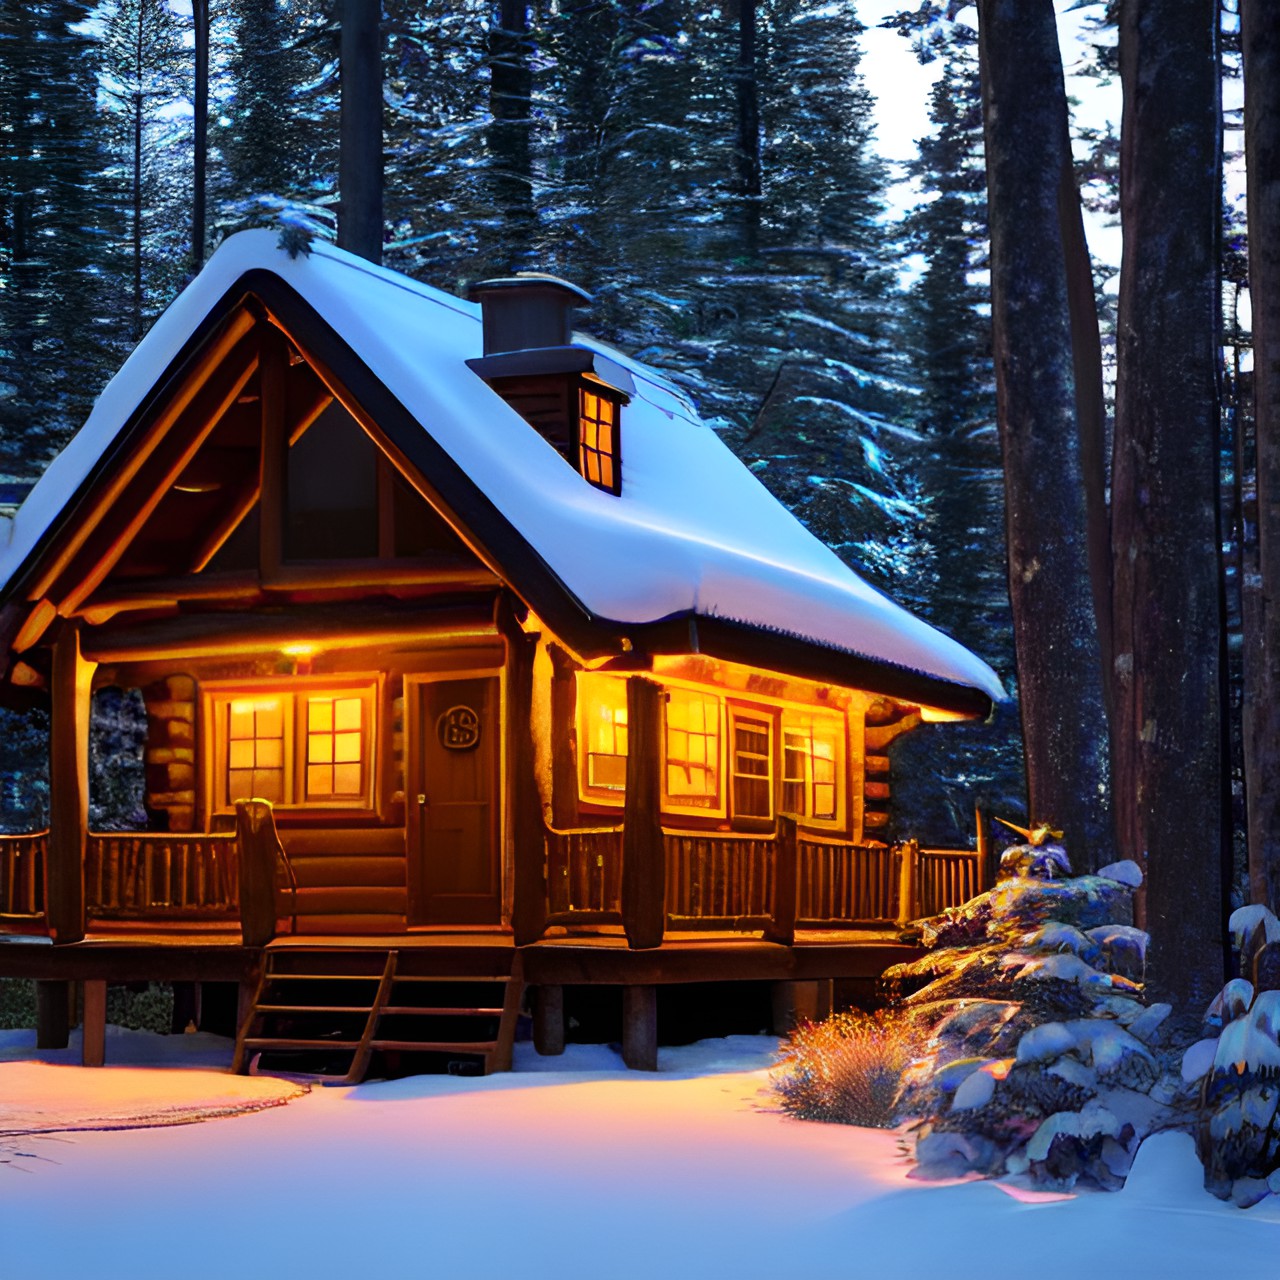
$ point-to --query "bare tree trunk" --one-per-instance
(510, 84)
(1048, 389)
(1168, 748)
(200, 130)
(1260, 38)
(360, 129)
(749, 186)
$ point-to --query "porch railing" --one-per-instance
(840, 883)
(584, 876)
(131, 875)
(729, 880)
(22, 876)
(945, 878)
(717, 881)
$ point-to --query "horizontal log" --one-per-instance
(368, 870)
(342, 842)
(353, 900)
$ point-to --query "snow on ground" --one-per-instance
(572, 1167)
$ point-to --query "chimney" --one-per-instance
(527, 312)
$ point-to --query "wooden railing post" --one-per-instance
(644, 861)
(72, 677)
(260, 849)
(786, 867)
(909, 876)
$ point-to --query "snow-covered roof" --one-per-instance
(693, 532)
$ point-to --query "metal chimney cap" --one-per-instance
(529, 281)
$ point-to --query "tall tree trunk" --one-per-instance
(510, 84)
(360, 130)
(748, 128)
(1048, 393)
(200, 130)
(137, 208)
(1260, 38)
(1168, 754)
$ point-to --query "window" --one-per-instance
(602, 736)
(752, 765)
(298, 747)
(692, 767)
(598, 441)
(812, 765)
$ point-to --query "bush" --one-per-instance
(845, 1070)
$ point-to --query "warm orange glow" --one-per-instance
(298, 650)
(603, 729)
(26, 677)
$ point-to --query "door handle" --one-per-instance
(422, 799)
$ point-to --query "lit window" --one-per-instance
(692, 773)
(598, 440)
(811, 766)
(602, 736)
(255, 748)
(297, 747)
(335, 747)
(752, 766)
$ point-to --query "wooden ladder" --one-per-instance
(320, 1009)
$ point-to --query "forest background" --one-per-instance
(709, 172)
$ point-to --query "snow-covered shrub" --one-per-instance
(1236, 1068)
(845, 1070)
(1040, 1057)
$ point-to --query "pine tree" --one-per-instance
(141, 78)
(53, 358)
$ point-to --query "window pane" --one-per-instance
(320, 748)
(346, 779)
(346, 748)
(270, 753)
(319, 714)
(241, 756)
(269, 719)
(346, 713)
(319, 780)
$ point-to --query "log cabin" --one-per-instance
(469, 654)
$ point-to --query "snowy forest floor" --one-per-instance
(569, 1166)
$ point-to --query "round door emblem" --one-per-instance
(458, 729)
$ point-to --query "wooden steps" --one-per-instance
(349, 880)
(330, 1013)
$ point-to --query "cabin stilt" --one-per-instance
(640, 1027)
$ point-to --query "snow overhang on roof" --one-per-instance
(694, 538)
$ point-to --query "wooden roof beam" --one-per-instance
(83, 523)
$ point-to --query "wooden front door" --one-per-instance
(452, 797)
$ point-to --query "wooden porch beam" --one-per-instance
(142, 483)
(529, 886)
(644, 862)
(70, 684)
(640, 1027)
(218, 349)
(273, 360)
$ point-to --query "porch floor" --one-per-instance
(213, 954)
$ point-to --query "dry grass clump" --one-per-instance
(845, 1070)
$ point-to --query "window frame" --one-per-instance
(584, 704)
(840, 772)
(676, 804)
(767, 718)
(296, 695)
(585, 387)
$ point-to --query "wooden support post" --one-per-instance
(988, 862)
(548, 1020)
(529, 888)
(93, 1046)
(564, 766)
(53, 1014)
(798, 1002)
(644, 860)
(908, 880)
(68, 786)
(273, 365)
(640, 1028)
(786, 868)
